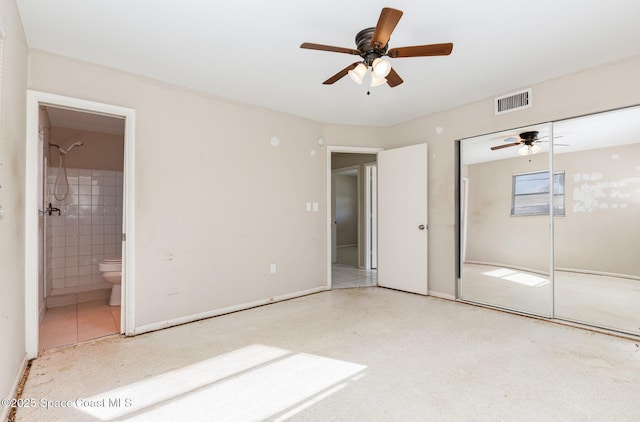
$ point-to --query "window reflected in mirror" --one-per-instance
(505, 248)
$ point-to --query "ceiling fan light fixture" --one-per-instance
(358, 73)
(528, 149)
(380, 68)
(376, 81)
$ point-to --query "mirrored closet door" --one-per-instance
(597, 241)
(505, 223)
(528, 206)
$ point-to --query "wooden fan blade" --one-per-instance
(321, 47)
(386, 24)
(340, 74)
(421, 50)
(393, 79)
(505, 146)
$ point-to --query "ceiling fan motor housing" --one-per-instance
(528, 138)
(368, 52)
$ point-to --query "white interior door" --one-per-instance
(402, 219)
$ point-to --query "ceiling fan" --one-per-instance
(528, 140)
(372, 45)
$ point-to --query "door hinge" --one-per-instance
(124, 237)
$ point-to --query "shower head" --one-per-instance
(75, 144)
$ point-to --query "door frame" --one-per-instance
(34, 100)
(371, 215)
(328, 223)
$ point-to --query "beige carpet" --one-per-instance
(367, 354)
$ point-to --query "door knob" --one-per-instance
(422, 227)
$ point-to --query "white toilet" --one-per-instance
(111, 270)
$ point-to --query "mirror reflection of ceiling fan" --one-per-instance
(528, 141)
(372, 45)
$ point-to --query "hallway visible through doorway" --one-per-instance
(344, 276)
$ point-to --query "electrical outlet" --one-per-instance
(273, 268)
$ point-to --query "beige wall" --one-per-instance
(358, 136)
(12, 197)
(205, 241)
(493, 235)
(100, 151)
(602, 225)
(346, 192)
(216, 203)
(215, 224)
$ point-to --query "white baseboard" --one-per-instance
(512, 267)
(569, 270)
(599, 273)
(14, 387)
(217, 312)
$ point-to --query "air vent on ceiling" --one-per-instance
(512, 102)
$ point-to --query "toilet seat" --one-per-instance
(110, 264)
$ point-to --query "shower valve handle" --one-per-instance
(51, 209)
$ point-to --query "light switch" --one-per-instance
(308, 206)
(315, 207)
(273, 268)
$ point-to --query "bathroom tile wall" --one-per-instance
(88, 229)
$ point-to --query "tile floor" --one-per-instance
(344, 276)
(75, 323)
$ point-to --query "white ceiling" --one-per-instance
(249, 50)
(617, 127)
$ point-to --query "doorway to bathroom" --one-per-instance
(79, 160)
